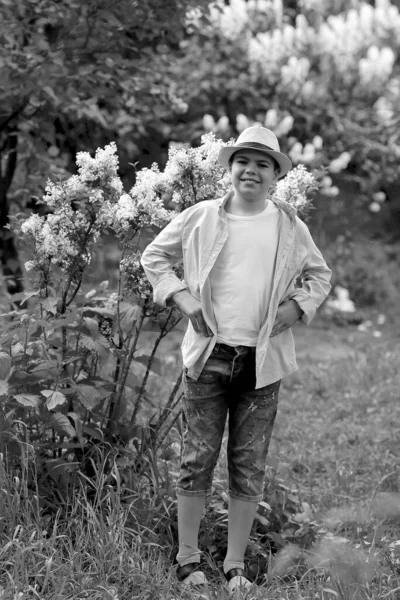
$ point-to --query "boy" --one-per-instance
(242, 256)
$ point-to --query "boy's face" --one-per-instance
(252, 174)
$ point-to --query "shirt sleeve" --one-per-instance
(315, 278)
(159, 257)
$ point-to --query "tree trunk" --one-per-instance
(8, 251)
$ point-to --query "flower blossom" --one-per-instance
(82, 207)
(125, 212)
(103, 165)
(147, 198)
(194, 174)
(135, 279)
(296, 187)
(340, 163)
(377, 66)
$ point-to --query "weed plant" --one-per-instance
(327, 528)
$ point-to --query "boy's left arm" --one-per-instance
(315, 278)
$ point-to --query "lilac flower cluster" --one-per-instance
(194, 174)
(296, 188)
(134, 276)
(81, 208)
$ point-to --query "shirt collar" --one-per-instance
(286, 207)
(222, 201)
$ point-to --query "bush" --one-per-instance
(73, 375)
(367, 269)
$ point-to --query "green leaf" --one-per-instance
(94, 432)
(62, 424)
(92, 325)
(27, 399)
(54, 398)
(28, 295)
(3, 387)
(263, 520)
(89, 396)
(50, 304)
(48, 369)
(98, 345)
(17, 349)
(277, 539)
(24, 296)
(129, 315)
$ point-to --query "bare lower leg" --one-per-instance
(190, 511)
(240, 520)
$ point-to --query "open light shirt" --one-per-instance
(197, 235)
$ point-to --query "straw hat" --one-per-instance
(257, 138)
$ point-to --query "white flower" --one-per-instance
(242, 122)
(208, 122)
(232, 19)
(318, 142)
(377, 66)
(125, 212)
(96, 195)
(116, 184)
(331, 191)
(384, 110)
(296, 152)
(105, 164)
(340, 163)
(342, 301)
(379, 197)
(284, 126)
(32, 225)
(308, 153)
(375, 207)
(146, 194)
(295, 187)
(295, 72)
(271, 118)
(223, 123)
(29, 265)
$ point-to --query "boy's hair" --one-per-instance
(277, 167)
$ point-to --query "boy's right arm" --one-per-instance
(157, 261)
(159, 257)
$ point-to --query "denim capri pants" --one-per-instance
(226, 387)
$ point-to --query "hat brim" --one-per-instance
(284, 162)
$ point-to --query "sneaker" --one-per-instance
(238, 583)
(191, 575)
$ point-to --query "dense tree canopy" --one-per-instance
(325, 75)
(330, 74)
(77, 74)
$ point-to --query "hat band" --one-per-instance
(256, 146)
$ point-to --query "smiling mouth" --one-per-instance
(249, 181)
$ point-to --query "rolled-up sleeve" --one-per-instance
(315, 278)
(159, 257)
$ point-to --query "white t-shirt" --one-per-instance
(242, 276)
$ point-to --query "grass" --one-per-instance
(336, 446)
